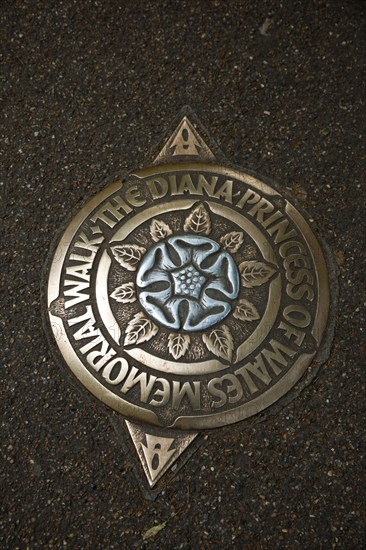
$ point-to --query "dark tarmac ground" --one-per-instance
(89, 87)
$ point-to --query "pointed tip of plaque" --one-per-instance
(157, 452)
(186, 141)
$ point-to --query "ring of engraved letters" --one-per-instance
(188, 296)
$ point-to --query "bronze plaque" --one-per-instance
(187, 296)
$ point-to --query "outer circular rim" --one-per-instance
(267, 398)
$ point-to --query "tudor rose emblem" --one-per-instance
(187, 296)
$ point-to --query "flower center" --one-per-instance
(188, 281)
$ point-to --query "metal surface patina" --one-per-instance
(187, 296)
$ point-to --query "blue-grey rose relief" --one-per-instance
(187, 282)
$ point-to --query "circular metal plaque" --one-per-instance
(188, 295)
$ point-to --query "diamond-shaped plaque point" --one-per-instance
(156, 452)
(185, 141)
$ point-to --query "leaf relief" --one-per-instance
(255, 273)
(220, 342)
(139, 330)
(159, 230)
(246, 311)
(232, 241)
(198, 221)
(128, 255)
(178, 344)
(124, 293)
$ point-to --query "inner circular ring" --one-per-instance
(178, 367)
(187, 282)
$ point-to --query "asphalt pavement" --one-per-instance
(89, 88)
